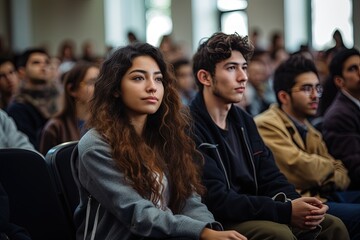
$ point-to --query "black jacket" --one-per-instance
(233, 196)
(341, 132)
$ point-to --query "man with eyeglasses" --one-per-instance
(341, 123)
(298, 147)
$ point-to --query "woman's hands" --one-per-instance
(209, 234)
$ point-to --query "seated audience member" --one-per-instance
(9, 81)
(68, 124)
(341, 122)
(245, 189)
(10, 136)
(185, 80)
(299, 149)
(37, 99)
(66, 55)
(256, 101)
(137, 162)
(88, 52)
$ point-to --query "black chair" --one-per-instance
(58, 160)
(33, 201)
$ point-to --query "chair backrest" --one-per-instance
(33, 201)
(58, 160)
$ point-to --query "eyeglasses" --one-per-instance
(88, 82)
(308, 89)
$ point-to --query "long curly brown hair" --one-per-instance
(165, 147)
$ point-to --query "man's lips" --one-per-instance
(314, 105)
(240, 89)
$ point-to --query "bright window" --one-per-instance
(158, 20)
(327, 16)
(233, 17)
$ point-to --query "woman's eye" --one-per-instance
(159, 79)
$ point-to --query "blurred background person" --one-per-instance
(170, 49)
(87, 52)
(341, 122)
(256, 86)
(38, 98)
(66, 55)
(9, 81)
(68, 124)
(338, 46)
(185, 80)
(131, 36)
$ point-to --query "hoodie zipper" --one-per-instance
(214, 146)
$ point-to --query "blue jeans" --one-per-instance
(346, 206)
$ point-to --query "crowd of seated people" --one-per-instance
(43, 105)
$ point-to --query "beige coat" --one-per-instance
(305, 166)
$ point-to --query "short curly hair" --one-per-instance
(218, 48)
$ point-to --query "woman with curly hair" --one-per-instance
(137, 170)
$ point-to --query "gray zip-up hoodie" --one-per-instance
(124, 214)
(10, 136)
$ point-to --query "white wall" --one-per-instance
(356, 21)
(48, 22)
(80, 20)
(266, 15)
(181, 14)
(22, 24)
(122, 16)
(205, 20)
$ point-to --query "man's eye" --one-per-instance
(354, 68)
(307, 88)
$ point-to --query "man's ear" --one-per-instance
(339, 81)
(284, 97)
(21, 72)
(204, 77)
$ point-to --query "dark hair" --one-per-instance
(286, 73)
(179, 63)
(165, 145)
(218, 48)
(335, 69)
(5, 59)
(24, 57)
(337, 63)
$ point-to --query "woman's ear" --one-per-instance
(204, 77)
